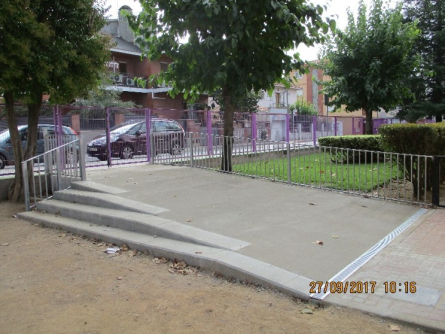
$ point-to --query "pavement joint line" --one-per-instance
(351, 268)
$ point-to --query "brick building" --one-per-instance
(130, 72)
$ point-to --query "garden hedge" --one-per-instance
(348, 143)
(365, 142)
(424, 139)
(416, 139)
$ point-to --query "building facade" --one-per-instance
(130, 72)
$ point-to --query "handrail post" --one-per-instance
(26, 184)
(435, 179)
(254, 132)
(191, 148)
(289, 169)
(148, 134)
(82, 167)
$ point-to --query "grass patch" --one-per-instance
(317, 169)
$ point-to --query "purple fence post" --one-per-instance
(108, 138)
(314, 129)
(353, 125)
(148, 132)
(209, 133)
(254, 130)
(335, 125)
(287, 127)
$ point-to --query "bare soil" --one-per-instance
(55, 282)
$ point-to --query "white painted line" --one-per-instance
(369, 254)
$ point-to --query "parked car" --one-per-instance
(6, 154)
(129, 139)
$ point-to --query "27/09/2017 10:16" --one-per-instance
(360, 287)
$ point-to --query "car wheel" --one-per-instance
(2, 161)
(175, 148)
(127, 152)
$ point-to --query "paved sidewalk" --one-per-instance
(281, 224)
(418, 256)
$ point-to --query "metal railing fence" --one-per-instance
(385, 175)
(62, 163)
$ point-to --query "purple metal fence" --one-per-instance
(100, 127)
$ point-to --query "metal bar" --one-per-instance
(209, 132)
(108, 137)
(148, 133)
(314, 129)
(26, 185)
(289, 175)
(191, 148)
(82, 153)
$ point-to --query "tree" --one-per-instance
(104, 98)
(428, 83)
(369, 61)
(237, 46)
(303, 108)
(46, 47)
(245, 104)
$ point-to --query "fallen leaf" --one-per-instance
(335, 236)
(318, 242)
(124, 247)
(198, 252)
(159, 260)
(119, 278)
(14, 216)
(5, 244)
(171, 271)
(394, 328)
(307, 311)
(188, 220)
(311, 203)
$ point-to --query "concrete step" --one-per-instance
(140, 223)
(106, 200)
(226, 262)
(96, 187)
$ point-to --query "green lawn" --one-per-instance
(318, 170)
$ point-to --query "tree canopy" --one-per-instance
(428, 82)
(233, 45)
(369, 61)
(47, 47)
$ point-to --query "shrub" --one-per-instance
(418, 139)
(424, 139)
(348, 143)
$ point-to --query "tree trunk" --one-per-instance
(368, 128)
(15, 189)
(226, 162)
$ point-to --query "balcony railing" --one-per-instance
(129, 80)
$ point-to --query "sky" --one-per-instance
(338, 8)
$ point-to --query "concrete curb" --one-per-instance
(136, 222)
(225, 262)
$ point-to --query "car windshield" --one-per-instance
(122, 129)
(4, 135)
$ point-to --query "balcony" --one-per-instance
(126, 82)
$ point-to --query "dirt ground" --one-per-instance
(55, 282)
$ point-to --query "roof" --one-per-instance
(120, 45)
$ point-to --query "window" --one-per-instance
(277, 99)
(160, 126)
(173, 126)
(123, 68)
